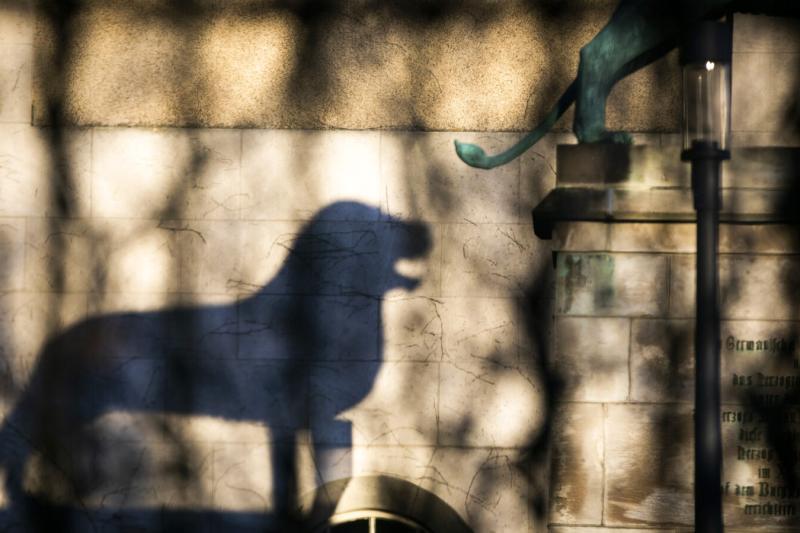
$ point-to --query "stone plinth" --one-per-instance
(621, 218)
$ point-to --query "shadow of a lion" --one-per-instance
(251, 360)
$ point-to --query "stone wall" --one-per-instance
(454, 394)
(113, 220)
(624, 346)
(471, 65)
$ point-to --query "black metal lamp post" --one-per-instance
(706, 60)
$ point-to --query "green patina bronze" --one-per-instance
(639, 32)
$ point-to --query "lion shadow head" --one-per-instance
(350, 248)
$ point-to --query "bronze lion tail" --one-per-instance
(474, 156)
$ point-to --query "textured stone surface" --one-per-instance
(359, 65)
(581, 236)
(759, 73)
(650, 164)
(578, 465)
(591, 356)
(15, 82)
(27, 321)
(414, 329)
(139, 257)
(751, 286)
(759, 33)
(672, 238)
(12, 250)
(289, 175)
(567, 529)
(771, 239)
(64, 255)
(16, 22)
(356, 402)
(137, 474)
(483, 485)
(26, 172)
(502, 403)
(759, 360)
(445, 386)
(649, 483)
(169, 173)
(489, 259)
(652, 238)
(537, 171)
(423, 177)
(611, 284)
(662, 360)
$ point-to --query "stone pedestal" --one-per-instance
(621, 219)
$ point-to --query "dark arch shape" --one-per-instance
(381, 493)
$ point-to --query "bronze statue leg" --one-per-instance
(638, 33)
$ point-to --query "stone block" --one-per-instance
(404, 462)
(490, 259)
(753, 203)
(28, 320)
(682, 286)
(611, 284)
(173, 476)
(413, 329)
(125, 302)
(313, 328)
(765, 167)
(491, 335)
(581, 236)
(209, 256)
(756, 493)
(652, 238)
(591, 355)
(12, 253)
(577, 465)
(16, 23)
(140, 256)
(291, 175)
(662, 360)
(358, 403)
(759, 33)
(764, 88)
(244, 476)
(124, 475)
(424, 178)
(166, 174)
(769, 139)
(758, 239)
(567, 529)
(482, 485)
(485, 403)
(264, 248)
(751, 287)
(759, 361)
(15, 81)
(537, 171)
(26, 173)
(64, 255)
(649, 466)
(648, 164)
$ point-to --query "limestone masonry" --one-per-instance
(253, 225)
